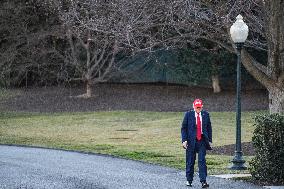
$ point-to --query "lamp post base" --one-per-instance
(238, 163)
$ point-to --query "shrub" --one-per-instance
(268, 140)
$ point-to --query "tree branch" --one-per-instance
(248, 63)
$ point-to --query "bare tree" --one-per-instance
(25, 42)
(98, 30)
(211, 20)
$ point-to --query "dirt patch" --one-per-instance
(247, 149)
(142, 97)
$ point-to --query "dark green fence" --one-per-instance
(178, 67)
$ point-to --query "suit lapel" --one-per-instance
(193, 120)
(203, 120)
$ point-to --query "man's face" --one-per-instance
(197, 109)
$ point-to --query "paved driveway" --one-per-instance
(36, 168)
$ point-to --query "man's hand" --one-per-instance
(210, 143)
(184, 144)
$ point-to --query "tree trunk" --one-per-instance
(89, 92)
(275, 89)
(215, 84)
(275, 37)
(276, 100)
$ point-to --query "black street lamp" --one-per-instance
(239, 33)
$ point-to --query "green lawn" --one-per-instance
(146, 136)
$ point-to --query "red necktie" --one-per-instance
(198, 132)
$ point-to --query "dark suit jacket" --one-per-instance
(188, 129)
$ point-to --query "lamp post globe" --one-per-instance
(239, 34)
(239, 30)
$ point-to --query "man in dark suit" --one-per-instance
(196, 135)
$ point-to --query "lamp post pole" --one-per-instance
(239, 33)
(238, 161)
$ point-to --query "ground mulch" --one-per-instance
(142, 97)
(247, 149)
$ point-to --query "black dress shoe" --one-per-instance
(204, 185)
(188, 184)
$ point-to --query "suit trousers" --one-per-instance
(200, 148)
